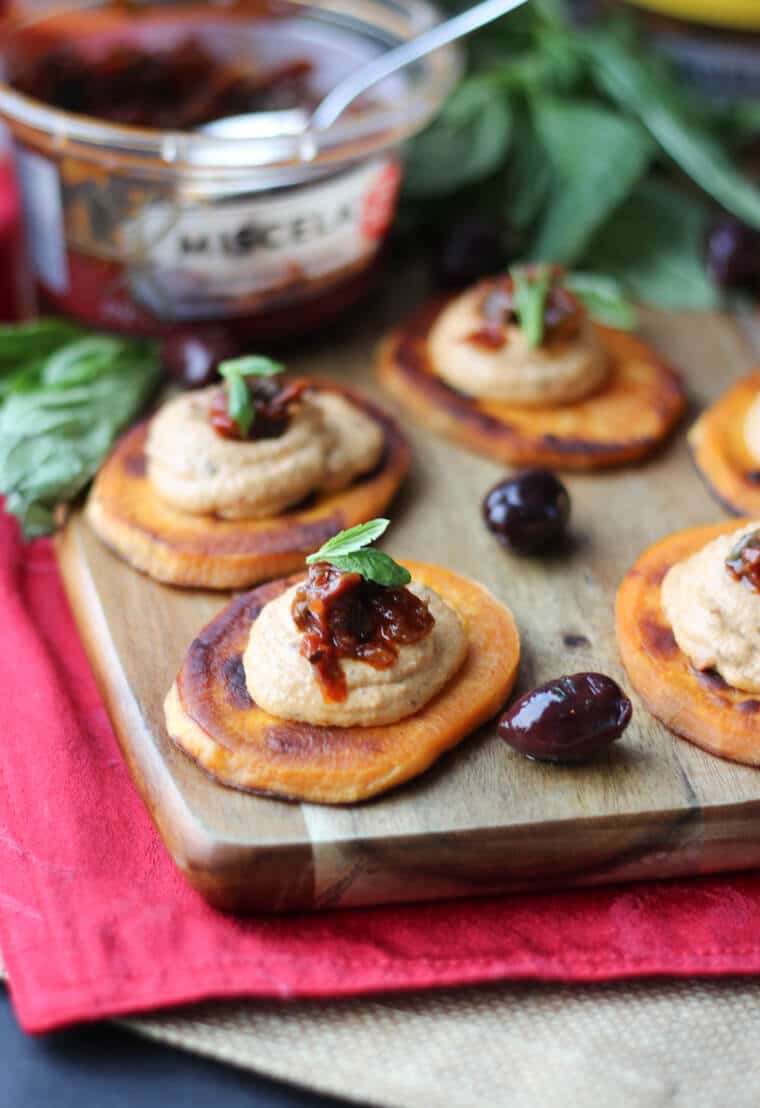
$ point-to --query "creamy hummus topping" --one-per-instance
(356, 441)
(513, 371)
(715, 617)
(284, 683)
(327, 444)
(752, 429)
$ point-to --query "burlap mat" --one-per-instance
(675, 1044)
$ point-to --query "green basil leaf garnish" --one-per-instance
(251, 365)
(531, 288)
(347, 542)
(348, 551)
(240, 403)
(373, 565)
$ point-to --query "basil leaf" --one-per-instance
(347, 542)
(40, 468)
(644, 88)
(466, 142)
(240, 403)
(54, 435)
(531, 288)
(23, 379)
(655, 247)
(252, 365)
(35, 519)
(79, 363)
(373, 565)
(529, 176)
(603, 298)
(597, 157)
(348, 552)
(34, 339)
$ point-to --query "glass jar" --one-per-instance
(145, 230)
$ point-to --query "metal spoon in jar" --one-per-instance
(297, 121)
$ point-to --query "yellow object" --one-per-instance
(738, 14)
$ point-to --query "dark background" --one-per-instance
(105, 1066)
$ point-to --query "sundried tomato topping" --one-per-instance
(743, 563)
(272, 399)
(342, 615)
(563, 314)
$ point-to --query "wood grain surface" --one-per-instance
(484, 818)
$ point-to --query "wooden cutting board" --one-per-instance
(484, 818)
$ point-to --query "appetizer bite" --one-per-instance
(725, 447)
(516, 368)
(688, 627)
(234, 484)
(341, 683)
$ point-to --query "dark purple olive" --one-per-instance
(528, 512)
(733, 253)
(474, 248)
(190, 357)
(567, 720)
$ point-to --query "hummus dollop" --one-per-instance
(283, 682)
(328, 443)
(510, 370)
(715, 617)
(752, 428)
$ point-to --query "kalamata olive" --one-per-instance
(474, 248)
(528, 512)
(567, 720)
(190, 357)
(733, 253)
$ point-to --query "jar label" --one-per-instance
(232, 257)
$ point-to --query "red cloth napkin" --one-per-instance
(16, 296)
(96, 921)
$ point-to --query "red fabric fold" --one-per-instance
(96, 921)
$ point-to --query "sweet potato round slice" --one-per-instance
(627, 419)
(698, 706)
(210, 716)
(207, 552)
(720, 453)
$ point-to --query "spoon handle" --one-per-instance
(347, 90)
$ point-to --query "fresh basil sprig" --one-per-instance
(559, 132)
(34, 339)
(348, 551)
(240, 403)
(65, 394)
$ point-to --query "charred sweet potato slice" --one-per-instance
(210, 716)
(720, 453)
(626, 420)
(698, 706)
(212, 553)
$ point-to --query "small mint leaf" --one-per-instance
(252, 365)
(531, 288)
(240, 404)
(346, 542)
(373, 565)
